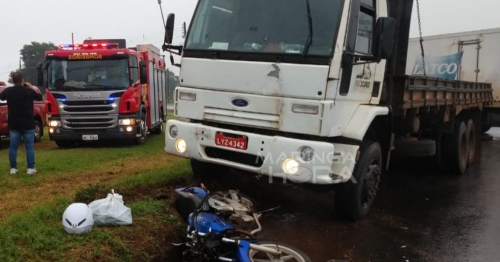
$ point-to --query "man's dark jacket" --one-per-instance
(20, 106)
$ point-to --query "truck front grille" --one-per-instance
(254, 119)
(89, 122)
(74, 109)
(90, 106)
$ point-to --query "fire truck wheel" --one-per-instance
(38, 131)
(143, 131)
(158, 130)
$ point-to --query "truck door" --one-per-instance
(358, 80)
(469, 66)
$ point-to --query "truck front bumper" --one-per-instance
(275, 156)
(117, 133)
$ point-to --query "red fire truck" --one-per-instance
(102, 90)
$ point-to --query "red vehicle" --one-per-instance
(40, 117)
(102, 90)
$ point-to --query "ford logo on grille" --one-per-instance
(240, 102)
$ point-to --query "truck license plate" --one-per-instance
(89, 137)
(231, 141)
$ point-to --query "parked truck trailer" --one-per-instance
(102, 90)
(472, 56)
(319, 97)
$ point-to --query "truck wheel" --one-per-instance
(143, 131)
(353, 199)
(207, 172)
(158, 130)
(38, 131)
(471, 144)
(456, 148)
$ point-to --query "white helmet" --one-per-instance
(78, 219)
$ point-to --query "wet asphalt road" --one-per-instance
(419, 216)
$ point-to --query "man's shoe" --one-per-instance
(31, 171)
(13, 171)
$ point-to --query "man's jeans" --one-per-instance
(29, 142)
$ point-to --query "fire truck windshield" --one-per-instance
(264, 26)
(88, 74)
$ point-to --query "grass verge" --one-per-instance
(31, 207)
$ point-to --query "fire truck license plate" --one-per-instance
(90, 137)
(231, 141)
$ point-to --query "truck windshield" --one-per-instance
(264, 26)
(88, 74)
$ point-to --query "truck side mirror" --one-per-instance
(169, 28)
(143, 72)
(385, 33)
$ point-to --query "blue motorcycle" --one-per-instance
(213, 238)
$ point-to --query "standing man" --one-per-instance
(21, 120)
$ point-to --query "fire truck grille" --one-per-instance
(89, 106)
(94, 122)
(74, 109)
(89, 103)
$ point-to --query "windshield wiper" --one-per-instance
(310, 23)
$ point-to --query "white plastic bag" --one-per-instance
(111, 211)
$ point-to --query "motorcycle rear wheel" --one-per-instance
(289, 253)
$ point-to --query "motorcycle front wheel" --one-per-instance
(288, 253)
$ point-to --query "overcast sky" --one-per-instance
(139, 21)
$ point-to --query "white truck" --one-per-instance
(314, 92)
(469, 56)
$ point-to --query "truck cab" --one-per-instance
(317, 97)
(102, 90)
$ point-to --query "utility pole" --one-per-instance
(20, 60)
(72, 40)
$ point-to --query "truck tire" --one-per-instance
(38, 131)
(158, 130)
(207, 172)
(143, 131)
(412, 147)
(353, 199)
(456, 148)
(471, 142)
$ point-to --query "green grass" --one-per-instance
(31, 207)
(38, 235)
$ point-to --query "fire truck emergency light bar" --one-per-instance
(88, 46)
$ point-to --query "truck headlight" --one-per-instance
(55, 123)
(180, 145)
(126, 122)
(174, 131)
(290, 166)
(187, 96)
(307, 153)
